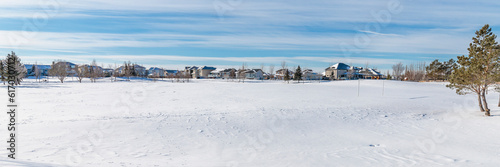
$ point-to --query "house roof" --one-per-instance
(191, 68)
(155, 68)
(229, 70)
(138, 66)
(370, 71)
(339, 66)
(171, 71)
(207, 68)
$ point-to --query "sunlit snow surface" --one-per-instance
(256, 123)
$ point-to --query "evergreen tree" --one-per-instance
(287, 76)
(478, 70)
(3, 71)
(448, 68)
(435, 70)
(298, 74)
(15, 68)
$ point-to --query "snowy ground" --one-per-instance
(220, 123)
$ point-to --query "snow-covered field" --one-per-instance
(220, 123)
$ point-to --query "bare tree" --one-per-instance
(232, 74)
(262, 69)
(94, 71)
(271, 71)
(415, 71)
(242, 72)
(81, 72)
(36, 71)
(397, 70)
(59, 69)
(126, 71)
(283, 67)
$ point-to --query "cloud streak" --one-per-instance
(92, 27)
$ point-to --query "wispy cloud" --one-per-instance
(91, 26)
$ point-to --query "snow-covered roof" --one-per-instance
(208, 68)
(155, 68)
(340, 66)
(138, 66)
(191, 68)
(374, 72)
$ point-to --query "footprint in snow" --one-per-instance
(376, 145)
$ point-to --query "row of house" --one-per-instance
(342, 71)
(339, 71)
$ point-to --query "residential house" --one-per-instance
(226, 73)
(308, 74)
(203, 72)
(138, 70)
(190, 70)
(257, 74)
(97, 69)
(107, 72)
(170, 73)
(280, 74)
(215, 74)
(342, 71)
(71, 71)
(156, 72)
(369, 73)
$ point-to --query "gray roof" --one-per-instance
(207, 68)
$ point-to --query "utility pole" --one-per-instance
(383, 87)
(358, 87)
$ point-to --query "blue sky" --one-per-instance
(227, 33)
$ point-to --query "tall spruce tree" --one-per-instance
(435, 70)
(15, 68)
(478, 70)
(287, 76)
(298, 74)
(3, 71)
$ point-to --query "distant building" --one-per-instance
(138, 70)
(189, 70)
(308, 74)
(71, 71)
(97, 69)
(257, 74)
(337, 71)
(280, 74)
(202, 72)
(170, 73)
(30, 71)
(156, 72)
(108, 72)
(344, 71)
(215, 74)
(226, 73)
(369, 73)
